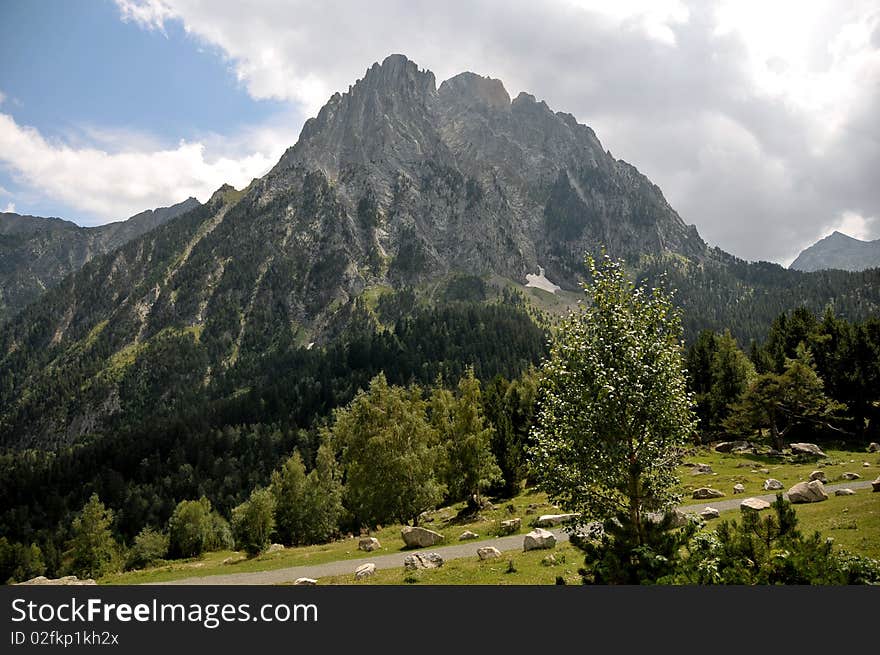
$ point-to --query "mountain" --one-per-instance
(398, 232)
(839, 251)
(36, 252)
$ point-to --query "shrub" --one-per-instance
(149, 547)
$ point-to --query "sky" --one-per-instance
(757, 118)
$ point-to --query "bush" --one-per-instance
(769, 550)
(149, 547)
(253, 521)
(194, 529)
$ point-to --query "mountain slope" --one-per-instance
(398, 196)
(37, 252)
(839, 251)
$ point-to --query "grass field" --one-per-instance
(852, 521)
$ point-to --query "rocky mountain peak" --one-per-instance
(396, 73)
(470, 88)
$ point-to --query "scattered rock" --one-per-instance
(876, 484)
(710, 513)
(369, 544)
(232, 560)
(467, 534)
(820, 476)
(66, 580)
(538, 539)
(488, 552)
(678, 518)
(422, 561)
(874, 447)
(850, 476)
(275, 548)
(807, 492)
(701, 469)
(364, 571)
(866, 464)
(764, 471)
(416, 537)
(510, 526)
(806, 449)
(549, 520)
(754, 505)
(844, 492)
(732, 446)
(772, 485)
(739, 489)
(305, 582)
(704, 493)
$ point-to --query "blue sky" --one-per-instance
(78, 74)
(756, 119)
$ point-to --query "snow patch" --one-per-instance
(539, 281)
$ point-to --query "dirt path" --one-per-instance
(466, 549)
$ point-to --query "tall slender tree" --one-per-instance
(614, 412)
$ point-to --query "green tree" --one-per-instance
(510, 409)
(719, 374)
(469, 466)
(19, 562)
(614, 413)
(780, 403)
(389, 454)
(93, 551)
(191, 528)
(731, 372)
(253, 521)
(288, 487)
(149, 547)
(323, 496)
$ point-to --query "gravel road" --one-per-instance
(466, 549)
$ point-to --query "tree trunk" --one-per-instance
(635, 513)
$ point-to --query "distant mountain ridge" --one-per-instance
(398, 195)
(839, 251)
(37, 252)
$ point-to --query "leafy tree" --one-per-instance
(288, 487)
(19, 562)
(323, 496)
(389, 453)
(92, 549)
(510, 409)
(614, 413)
(149, 547)
(253, 521)
(470, 467)
(781, 403)
(308, 507)
(191, 528)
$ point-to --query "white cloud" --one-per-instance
(10, 208)
(853, 224)
(115, 184)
